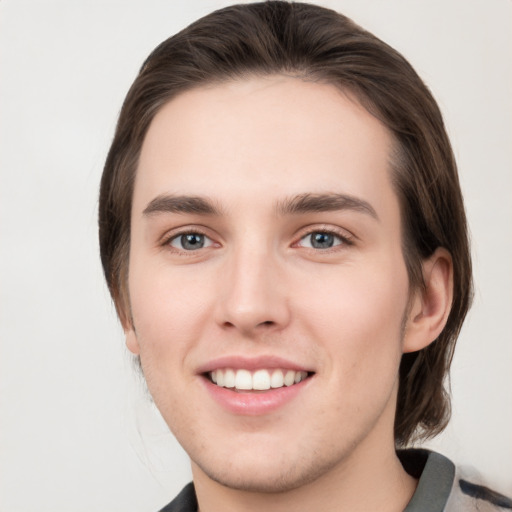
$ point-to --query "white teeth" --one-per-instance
(229, 379)
(243, 379)
(289, 378)
(259, 380)
(277, 380)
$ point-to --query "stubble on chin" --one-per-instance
(272, 478)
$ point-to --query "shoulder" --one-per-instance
(469, 493)
(442, 487)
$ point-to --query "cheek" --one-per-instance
(168, 310)
(359, 317)
(169, 317)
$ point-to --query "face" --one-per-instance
(267, 283)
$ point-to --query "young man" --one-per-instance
(284, 237)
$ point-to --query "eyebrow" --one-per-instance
(299, 204)
(181, 204)
(307, 203)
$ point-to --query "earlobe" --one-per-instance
(125, 316)
(131, 341)
(431, 305)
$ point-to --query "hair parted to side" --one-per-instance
(317, 44)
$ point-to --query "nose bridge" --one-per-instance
(253, 296)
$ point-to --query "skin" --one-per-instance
(258, 287)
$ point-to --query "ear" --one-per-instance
(124, 313)
(132, 343)
(430, 305)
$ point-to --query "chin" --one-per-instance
(267, 477)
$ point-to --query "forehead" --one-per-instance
(264, 136)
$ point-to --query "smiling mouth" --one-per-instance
(259, 380)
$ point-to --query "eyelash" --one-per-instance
(344, 239)
(167, 241)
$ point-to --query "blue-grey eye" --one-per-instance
(190, 241)
(320, 240)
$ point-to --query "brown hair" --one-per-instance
(319, 44)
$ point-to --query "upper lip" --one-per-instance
(251, 363)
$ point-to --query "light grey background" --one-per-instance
(76, 431)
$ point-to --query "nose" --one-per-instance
(253, 299)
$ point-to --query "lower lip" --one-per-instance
(254, 403)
